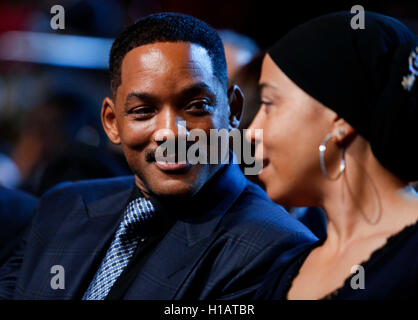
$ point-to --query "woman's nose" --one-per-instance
(255, 126)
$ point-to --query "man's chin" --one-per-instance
(172, 190)
(177, 185)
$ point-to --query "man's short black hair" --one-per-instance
(167, 27)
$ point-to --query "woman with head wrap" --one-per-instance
(339, 115)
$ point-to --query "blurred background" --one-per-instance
(52, 82)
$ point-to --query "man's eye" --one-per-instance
(142, 111)
(200, 107)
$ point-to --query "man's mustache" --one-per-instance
(150, 153)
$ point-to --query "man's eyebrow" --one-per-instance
(196, 89)
(146, 97)
(190, 91)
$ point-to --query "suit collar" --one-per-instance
(110, 205)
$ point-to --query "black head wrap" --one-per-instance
(361, 74)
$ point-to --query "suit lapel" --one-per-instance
(92, 234)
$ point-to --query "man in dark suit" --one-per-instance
(16, 211)
(175, 230)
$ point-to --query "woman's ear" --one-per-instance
(343, 131)
(236, 103)
(108, 116)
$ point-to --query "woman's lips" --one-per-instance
(263, 170)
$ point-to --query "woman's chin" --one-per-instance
(273, 194)
(278, 196)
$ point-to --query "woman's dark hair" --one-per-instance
(362, 75)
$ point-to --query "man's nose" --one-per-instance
(170, 125)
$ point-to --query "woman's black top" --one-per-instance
(391, 272)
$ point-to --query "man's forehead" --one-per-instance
(162, 57)
(166, 68)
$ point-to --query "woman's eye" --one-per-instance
(266, 105)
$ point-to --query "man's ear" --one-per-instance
(108, 116)
(236, 104)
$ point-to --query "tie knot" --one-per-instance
(138, 214)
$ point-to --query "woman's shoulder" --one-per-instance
(391, 272)
(400, 246)
(280, 277)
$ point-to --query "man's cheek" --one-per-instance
(134, 138)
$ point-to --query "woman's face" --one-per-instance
(294, 125)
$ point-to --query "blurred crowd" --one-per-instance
(50, 130)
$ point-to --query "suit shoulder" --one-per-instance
(90, 189)
(70, 199)
(67, 196)
(256, 215)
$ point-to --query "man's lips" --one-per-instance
(169, 164)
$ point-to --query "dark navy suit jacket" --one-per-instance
(221, 252)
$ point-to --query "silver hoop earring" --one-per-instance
(322, 149)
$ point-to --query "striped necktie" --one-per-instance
(121, 249)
